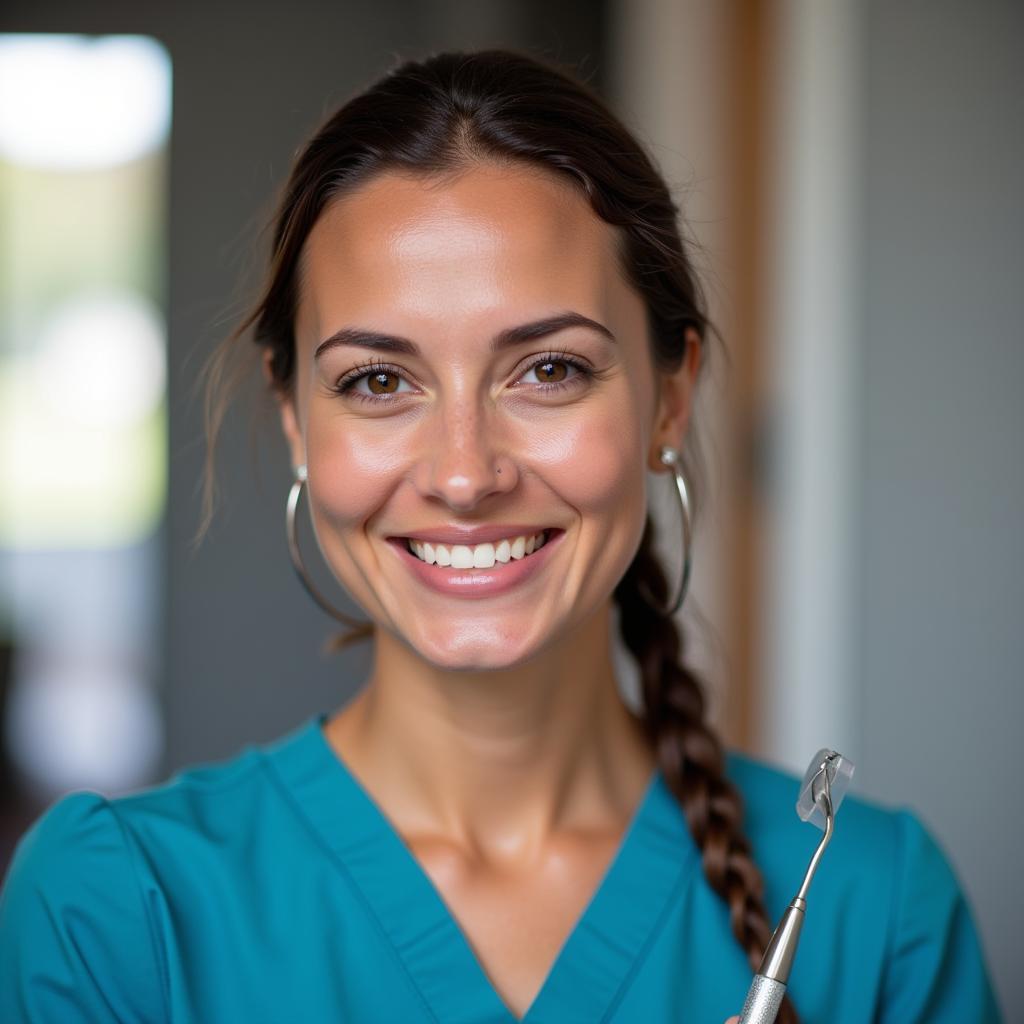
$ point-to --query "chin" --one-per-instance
(476, 647)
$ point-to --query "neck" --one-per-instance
(497, 761)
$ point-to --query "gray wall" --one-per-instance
(942, 433)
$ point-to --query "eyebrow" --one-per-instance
(509, 336)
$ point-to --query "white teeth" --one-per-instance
(483, 556)
(462, 557)
(480, 556)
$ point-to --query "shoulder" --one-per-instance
(82, 897)
(202, 800)
(209, 811)
(85, 845)
(74, 936)
(84, 839)
(76, 836)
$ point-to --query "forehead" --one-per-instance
(474, 243)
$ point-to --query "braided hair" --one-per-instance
(691, 756)
(436, 117)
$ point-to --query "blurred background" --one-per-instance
(850, 173)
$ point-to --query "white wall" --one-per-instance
(811, 294)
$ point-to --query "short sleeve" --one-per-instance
(75, 942)
(935, 970)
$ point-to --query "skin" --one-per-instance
(490, 731)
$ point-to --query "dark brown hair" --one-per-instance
(438, 117)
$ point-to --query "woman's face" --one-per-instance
(467, 425)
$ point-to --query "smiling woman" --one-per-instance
(466, 426)
(486, 832)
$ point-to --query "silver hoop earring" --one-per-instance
(293, 549)
(670, 457)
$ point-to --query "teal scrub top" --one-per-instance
(270, 888)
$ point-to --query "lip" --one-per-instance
(476, 583)
(470, 535)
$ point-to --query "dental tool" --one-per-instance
(824, 785)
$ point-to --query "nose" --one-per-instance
(463, 458)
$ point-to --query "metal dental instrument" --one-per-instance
(824, 785)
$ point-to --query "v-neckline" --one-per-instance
(655, 856)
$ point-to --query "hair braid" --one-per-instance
(691, 757)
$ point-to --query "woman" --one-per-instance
(482, 330)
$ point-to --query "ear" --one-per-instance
(675, 402)
(289, 416)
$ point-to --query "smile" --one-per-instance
(480, 570)
(477, 556)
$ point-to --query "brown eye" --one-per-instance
(383, 381)
(379, 382)
(553, 373)
(547, 375)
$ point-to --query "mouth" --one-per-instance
(479, 570)
(488, 556)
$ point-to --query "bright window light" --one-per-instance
(76, 103)
(84, 126)
(101, 360)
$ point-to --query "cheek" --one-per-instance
(596, 468)
(353, 471)
(594, 463)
